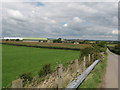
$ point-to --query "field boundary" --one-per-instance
(48, 47)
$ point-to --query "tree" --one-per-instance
(59, 40)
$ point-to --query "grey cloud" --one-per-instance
(44, 21)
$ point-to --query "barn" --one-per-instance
(35, 39)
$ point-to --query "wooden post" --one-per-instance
(17, 83)
(60, 69)
(103, 56)
(92, 57)
(76, 66)
(84, 63)
(89, 57)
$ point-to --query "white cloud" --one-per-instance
(65, 25)
(15, 14)
(116, 32)
(53, 21)
(77, 19)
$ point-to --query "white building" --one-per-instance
(12, 38)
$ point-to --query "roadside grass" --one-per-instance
(18, 60)
(94, 79)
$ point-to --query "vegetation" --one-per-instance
(42, 60)
(94, 79)
(51, 45)
(46, 69)
(59, 40)
(26, 77)
(18, 60)
(100, 46)
(115, 48)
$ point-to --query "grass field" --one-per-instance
(17, 60)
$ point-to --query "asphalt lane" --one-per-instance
(111, 75)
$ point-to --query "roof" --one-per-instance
(13, 38)
(35, 38)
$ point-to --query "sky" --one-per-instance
(69, 20)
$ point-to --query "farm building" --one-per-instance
(49, 41)
(35, 39)
(12, 38)
(76, 42)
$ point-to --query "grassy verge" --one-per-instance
(95, 77)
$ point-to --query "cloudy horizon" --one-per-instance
(89, 20)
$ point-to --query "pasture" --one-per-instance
(17, 60)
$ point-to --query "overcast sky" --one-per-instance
(61, 19)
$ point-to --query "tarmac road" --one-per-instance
(111, 75)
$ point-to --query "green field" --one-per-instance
(0, 66)
(17, 60)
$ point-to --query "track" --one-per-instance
(111, 75)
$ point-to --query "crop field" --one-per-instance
(18, 60)
(57, 45)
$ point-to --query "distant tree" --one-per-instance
(7, 39)
(85, 42)
(59, 40)
(17, 40)
(101, 44)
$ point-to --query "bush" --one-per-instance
(103, 49)
(26, 77)
(45, 70)
(86, 51)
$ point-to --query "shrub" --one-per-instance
(86, 51)
(45, 70)
(103, 49)
(26, 77)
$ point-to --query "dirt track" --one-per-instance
(111, 75)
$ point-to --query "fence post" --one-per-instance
(17, 83)
(89, 57)
(60, 69)
(76, 66)
(84, 63)
(103, 56)
(92, 57)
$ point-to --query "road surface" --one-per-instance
(111, 75)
